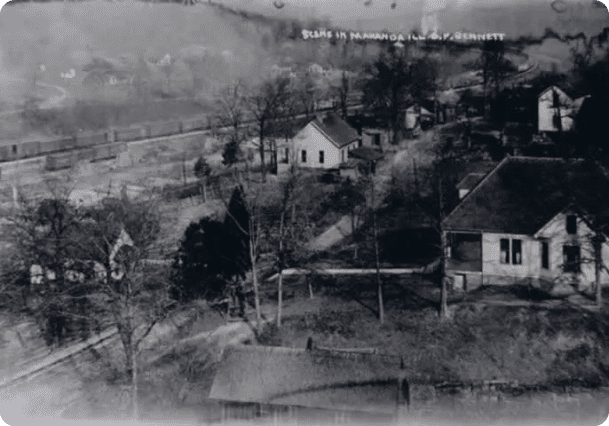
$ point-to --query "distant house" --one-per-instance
(414, 115)
(286, 384)
(528, 221)
(373, 132)
(556, 108)
(361, 161)
(324, 143)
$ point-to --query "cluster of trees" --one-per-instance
(77, 271)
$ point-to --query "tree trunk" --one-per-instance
(134, 391)
(279, 298)
(261, 148)
(598, 258)
(443, 289)
(255, 283)
(310, 287)
(377, 258)
(280, 280)
(378, 274)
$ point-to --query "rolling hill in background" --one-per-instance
(65, 36)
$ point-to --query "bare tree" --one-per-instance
(88, 262)
(289, 187)
(232, 107)
(343, 93)
(266, 104)
(369, 181)
(245, 213)
(133, 294)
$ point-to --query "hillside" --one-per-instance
(65, 36)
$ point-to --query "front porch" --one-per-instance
(464, 252)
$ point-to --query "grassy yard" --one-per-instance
(536, 344)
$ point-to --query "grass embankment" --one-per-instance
(175, 376)
(542, 344)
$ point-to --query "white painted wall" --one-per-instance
(312, 141)
(556, 232)
(491, 256)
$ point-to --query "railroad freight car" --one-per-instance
(129, 134)
(85, 154)
(91, 139)
(47, 147)
(164, 129)
(29, 149)
(8, 152)
(106, 152)
(60, 161)
(65, 143)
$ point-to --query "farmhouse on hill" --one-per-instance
(324, 143)
(302, 384)
(529, 220)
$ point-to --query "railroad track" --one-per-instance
(206, 131)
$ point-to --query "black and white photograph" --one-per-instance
(304, 212)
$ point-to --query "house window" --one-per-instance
(571, 259)
(321, 157)
(571, 224)
(505, 250)
(304, 156)
(14, 149)
(359, 143)
(377, 139)
(545, 255)
(287, 156)
(513, 256)
(516, 252)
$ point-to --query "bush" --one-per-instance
(270, 336)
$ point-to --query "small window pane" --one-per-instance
(321, 157)
(545, 255)
(304, 156)
(571, 259)
(516, 252)
(572, 224)
(505, 250)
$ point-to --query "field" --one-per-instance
(507, 334)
